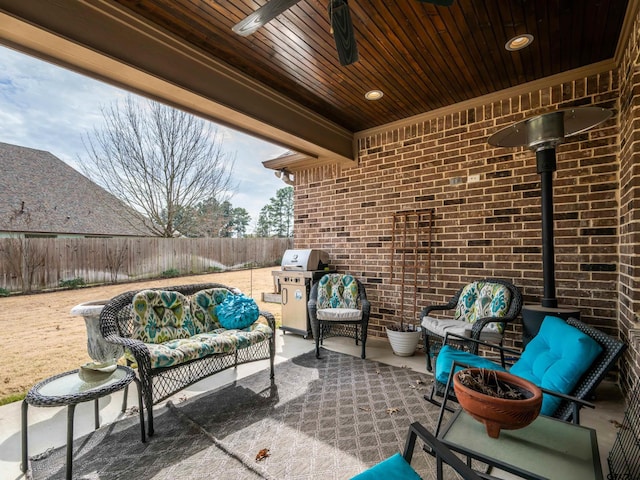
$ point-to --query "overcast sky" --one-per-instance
(45, 107)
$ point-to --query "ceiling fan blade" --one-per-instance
(262, 16)
(442, 3)
(343, 31)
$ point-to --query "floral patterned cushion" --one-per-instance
(219, 341)
(443, 326)
(203, 308)
(255, 333)
(483, 299)
(337, 290)
(176, 329)
(160, 316)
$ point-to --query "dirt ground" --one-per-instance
(42, 338)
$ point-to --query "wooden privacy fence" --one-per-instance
(40, 263)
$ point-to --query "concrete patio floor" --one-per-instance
(47, 426)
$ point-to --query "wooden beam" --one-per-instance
(105, 41)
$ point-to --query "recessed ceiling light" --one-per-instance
(373, 95)
(518, 42)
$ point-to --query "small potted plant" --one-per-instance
(404, 338)
(497, 399)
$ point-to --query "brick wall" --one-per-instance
(490, 227)
(629, 289)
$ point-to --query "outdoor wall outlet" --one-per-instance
(473, 178)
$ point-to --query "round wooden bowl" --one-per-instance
(499, 413)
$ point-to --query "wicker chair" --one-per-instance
(338, 306)
(568, 409)
(158, 383)
(479, 327)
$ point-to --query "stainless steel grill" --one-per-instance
(300, 269)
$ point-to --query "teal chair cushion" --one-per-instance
(555, 359)
(448, 355)
(393, 468)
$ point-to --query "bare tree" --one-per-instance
(116, 257)
(159, 160)
(22, 256)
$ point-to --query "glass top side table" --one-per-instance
(547, 448)
(74, 387)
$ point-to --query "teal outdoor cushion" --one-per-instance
(338, 290)
(555, 359)
(448, 355)
(203, 308)
(237, 312)
(160, 316)
(483, 299)
(393, 468)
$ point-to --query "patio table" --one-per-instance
(73, 387)
(546, 449)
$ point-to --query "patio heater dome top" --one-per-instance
(542, 134)
(549, 129)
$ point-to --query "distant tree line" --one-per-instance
(213, 219)
(276, 218)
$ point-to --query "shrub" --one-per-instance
(73, 283)
(172, 272)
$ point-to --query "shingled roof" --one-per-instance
(39, 193)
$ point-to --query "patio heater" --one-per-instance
(542, 134)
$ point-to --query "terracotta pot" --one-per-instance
(499, 413)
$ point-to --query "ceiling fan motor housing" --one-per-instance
(342, 29)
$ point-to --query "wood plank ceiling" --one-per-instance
(421, 56)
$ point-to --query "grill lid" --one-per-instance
(310, 259)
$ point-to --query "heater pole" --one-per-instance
(542, 134)
(546, 165)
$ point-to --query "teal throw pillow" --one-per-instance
(237, 312)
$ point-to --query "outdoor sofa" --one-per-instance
(175, 335)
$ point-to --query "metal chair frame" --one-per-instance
(569, 409)
(326, 328)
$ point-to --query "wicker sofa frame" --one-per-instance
(116, 326)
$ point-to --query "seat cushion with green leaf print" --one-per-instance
(203, 308)
(160, 316)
